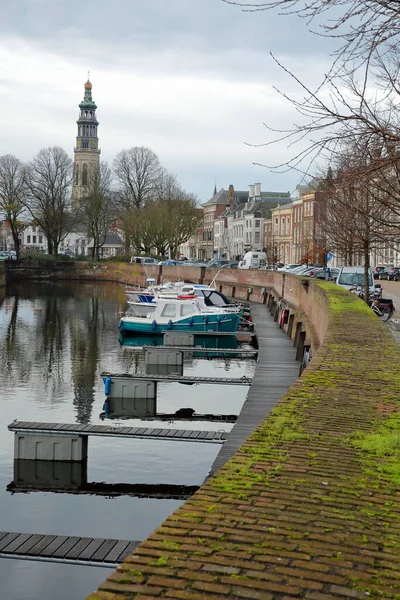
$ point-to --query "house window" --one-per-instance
(40, 239)
(34, 239)
(287, 226)
(28, 239)
(84, 175)
(257, 237)
(257, 222)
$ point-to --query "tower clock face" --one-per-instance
(93, 143)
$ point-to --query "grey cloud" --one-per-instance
(193, 35)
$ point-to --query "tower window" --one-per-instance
(84, 175)
(76, 174)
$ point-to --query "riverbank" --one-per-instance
(308, 506)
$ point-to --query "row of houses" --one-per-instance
(233, 223)
(76, 243)
(291, 230)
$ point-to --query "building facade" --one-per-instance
(86, 151)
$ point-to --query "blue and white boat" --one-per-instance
(178, 314)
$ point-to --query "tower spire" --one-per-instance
(86, 151)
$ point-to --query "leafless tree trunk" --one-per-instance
(98, 206)
(12, 196)
(49, 179)
(138, 171)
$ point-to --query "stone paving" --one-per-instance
(309, 505)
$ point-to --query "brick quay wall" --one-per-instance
(309, 505)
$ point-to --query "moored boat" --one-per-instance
(183, 314)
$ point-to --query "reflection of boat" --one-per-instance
(130, 339)
(183, 314)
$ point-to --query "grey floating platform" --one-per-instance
(99, 552)
(182, 379)
(234, 351)
(151, 433)
(276, 370)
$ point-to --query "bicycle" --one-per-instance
(383, 308)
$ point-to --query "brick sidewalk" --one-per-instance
(309, 506)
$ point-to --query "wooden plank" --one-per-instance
(104, 549)
(89, 551)
(78, 548)
(116, 551)
(42, 545)
(128, 550)
(29, 544)
(16, 543)
(69, 543)
(3, 534)
(53, 546)
(7, 539)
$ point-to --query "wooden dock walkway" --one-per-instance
(99, 552)
(275, 372)
(151, 433)
(188, 380)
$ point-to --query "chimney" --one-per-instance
(231, 196)
(257, 189)
(251, 191)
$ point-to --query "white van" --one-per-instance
(144, 260)
(253, 260)
(349, 277)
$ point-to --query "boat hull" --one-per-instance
(225, 323)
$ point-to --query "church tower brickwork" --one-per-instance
(86, 151)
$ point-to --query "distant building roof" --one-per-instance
(220, 197)
(112, 241)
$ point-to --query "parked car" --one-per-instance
(349, 277)
(217, 262)
(288, 268)
(231, 265)
(390, 273)
(377, 270)
(383, 273)
(7, 255)
(333, 273)
(144, 260)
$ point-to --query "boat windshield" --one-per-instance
(169, 310)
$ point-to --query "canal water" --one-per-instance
(55, 341)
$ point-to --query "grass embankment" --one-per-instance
(309, 506)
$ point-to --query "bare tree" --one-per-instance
(49, 179)
(362, 27)
(138, 171)
(12, 196)
(358, 221)
(98, 206)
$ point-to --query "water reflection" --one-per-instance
(55, 341)
(72, 478)
(65, 325)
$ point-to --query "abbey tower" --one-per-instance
(86, 151)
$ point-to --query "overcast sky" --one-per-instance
(191, 79)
